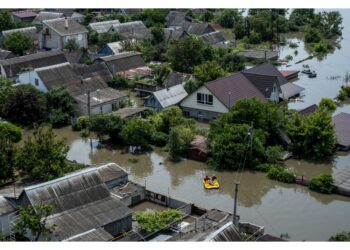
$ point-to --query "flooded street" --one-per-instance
(281, 208)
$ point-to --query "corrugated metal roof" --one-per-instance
(342, 128)
(132, 30)
(124, 61)
(58, 25)
(103, 27)
(92, 235)
(46, 15)
(5, 206)
(96, 69)
(170, 96)
(290, 89)
(100, 96)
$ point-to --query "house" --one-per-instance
(6, 209)
(197, 29)
(92, 70)
(341, 122)
(308, 110)
(175, 78)
(252, 55)
(5, 54)
(171, 34)
(216, 39)
(10, 68)
(103, 27)
(56, 33)
(167, 97)
(130, 112)
(132, 30)
(111, 49)
(25, 16)
(46, 15)
(176, 19)
(198, 149)
(123, 62)
(30, 31)
(82, 207)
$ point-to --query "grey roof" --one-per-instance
(13, 66)
(100, 96)
(290, 89)
(111, 171)
(123, 61)
(175, 18)
(5, 207)
(132, 30)
(342, 128)
(116, 47)
(92, 70)
(70, 191)
(198, 29)
(259, 54)
(232, 88)
(74, 56)
(308, 110)
(214, 38)
(92, 235)
(102, 27)
(4, 54)
(170, 96)
(31, 31)
(59, 75)
(264, 83)
(66, 12)
(127, 112)
(173, 34)
(91, 215)
(175, 78)
(46, 15)
(91, 83)
(131, 12)
(58, 25)
(267, 69)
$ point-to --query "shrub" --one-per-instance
(11, 131)
(159, 139)
(312, 36)
(328, 104)
(254, 38)
(279, 173)
(154, 221)
(322, 46)
(343, 236)
(323, 184)
(82, 123)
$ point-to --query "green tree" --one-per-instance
(18, 43)
(174, 144)
(158, 34)
(7, 153)
(328, 104)
(25, 106)
(343, 236)
(6, 22)
(137, 132)
(232, 62)
(313, 136)
(6, 89)
(323, 183)
(105, 38)
(43, 156)
(228, 17)
(71, 45)
(208, 71)
(312, 35)
(33, 220)
(10, 131)
(106, 124)
(153, 17)
(119, 81)
(92, 37)
(186, 53)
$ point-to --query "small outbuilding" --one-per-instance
(342, 129)
(198, 149)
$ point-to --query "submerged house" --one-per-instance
(83, 207)
(167, 97)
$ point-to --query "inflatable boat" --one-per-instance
(214, 185)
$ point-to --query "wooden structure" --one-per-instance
(198, 149)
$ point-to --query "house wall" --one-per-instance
(202, 111)
(152, 102)
(275, 93)
(4, 225)
(28, 77)
(80, 38)
(118, 181)
(120, 226)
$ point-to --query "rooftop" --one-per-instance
(59, 26)
(127, 112)
(46, 15)
(103, 27)
(170, 96)
(100, 96)
(259, 54)
(25, 14)
(5, 207)
(342, 128)
(124, 61)
(290, 89)
(308, 110)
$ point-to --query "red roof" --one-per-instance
(287, 73)
(25, 14)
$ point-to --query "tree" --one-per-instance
(6, 89)
(313, 136)
(6, 22)
(158, 34)
(186, 53)
(7, 152)
(71, 45)
(208, 71)
(106, 124)
(105, 38)
(10, 131)
(33, 220)
(233, 62)
(137, 132)
(42, 157)
(343, 236)
(328, 104)
(312, 35)
(153, 17)
(228, 17)
(25, 106)
(180, 138)
(331, 24)
(119, 81)
(323, 183)
(60, 106)
(18, 42)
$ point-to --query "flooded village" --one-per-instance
(124, 182)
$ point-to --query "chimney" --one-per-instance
(66, 23)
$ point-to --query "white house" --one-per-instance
(56, 33)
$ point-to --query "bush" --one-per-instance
(323, 184)
(82, 123)
(312, 36)
(159, 139)
(18, 43)
(279, 173)
(322, 47)
(327, 104)
(344, 93)
(343, 236)
(119, 81)
(254, 38)
(273, 154)
(154, 221)
(10, 131)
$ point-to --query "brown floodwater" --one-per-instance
(280, 208)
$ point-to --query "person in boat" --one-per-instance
(206, 178)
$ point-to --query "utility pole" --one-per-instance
(235, 220)
(88, 102)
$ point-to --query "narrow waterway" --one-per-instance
(281, 208)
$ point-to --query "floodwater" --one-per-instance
(330, 70)
(281, 208)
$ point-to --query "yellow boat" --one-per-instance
(207, 185)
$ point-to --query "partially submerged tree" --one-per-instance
(32, 222)
(137, 132)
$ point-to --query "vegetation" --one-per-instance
(105, 38)
(18, 43)
(7, 153)
(232, 62)
(180, 137)
(343, 236)
(313, 137)
(323, 184)
(344, 93)
(32, 220)
(71, 45)
(208, 71)
(10, 131)
(327, 104)
(5, 91)
(154, 221)
(137, 132)
(42, 156)
(228, 17)
(282, 174)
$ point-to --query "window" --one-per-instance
(36, 82)
(204, 99)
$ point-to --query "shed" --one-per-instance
(342, 130)
(123, 61)
(167, 97)
(290, 74)
(103, 27)
(198, 149)
(259, 54)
